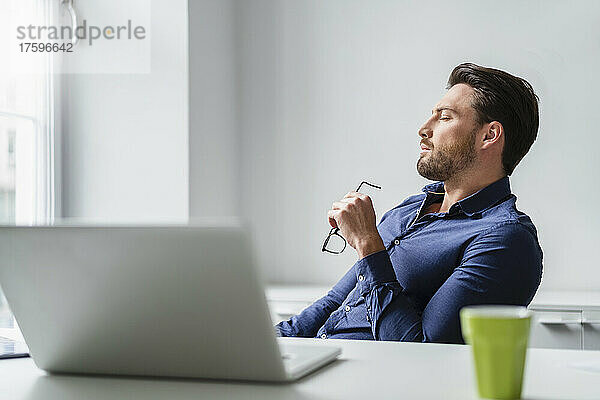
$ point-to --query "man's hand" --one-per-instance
(355, 217)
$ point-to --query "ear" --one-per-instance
(493, 135)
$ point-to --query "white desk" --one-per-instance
(376, 370)
(567, 300)
(562, 320)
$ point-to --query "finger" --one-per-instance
(332, 223)
(331, 214)
(361, 196)
(338, 205)
(356, 200)
(356, 195)
(366, 199)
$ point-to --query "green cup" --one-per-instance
(498, 336)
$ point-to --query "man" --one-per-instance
(461, 242)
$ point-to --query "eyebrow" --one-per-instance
(439, 109)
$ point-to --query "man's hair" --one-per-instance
(508, 99)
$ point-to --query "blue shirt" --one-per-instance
(483, 251)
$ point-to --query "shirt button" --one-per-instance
(347, 308)
(323, 336)
(396, 242)
(361, 278)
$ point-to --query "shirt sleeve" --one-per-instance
(308, 322)
(501, 266)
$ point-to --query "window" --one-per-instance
(26, 132)
(7, 176)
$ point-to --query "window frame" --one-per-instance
(46, 149)
(46, 146)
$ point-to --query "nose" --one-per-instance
(425, 131)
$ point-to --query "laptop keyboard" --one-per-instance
(288, 356)
(6, 345)
(9, 348)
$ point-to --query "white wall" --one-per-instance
(333, 92)
(125, 136)
(130, 152)
(294, 102)
(214, 143)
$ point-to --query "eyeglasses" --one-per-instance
(334, 241)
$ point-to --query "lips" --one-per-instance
(423, 147)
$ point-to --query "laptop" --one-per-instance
(10, 348)
(171, 301)
(11, 342)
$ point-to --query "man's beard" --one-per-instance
(444, 163)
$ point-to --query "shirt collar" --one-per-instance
(478, 201)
